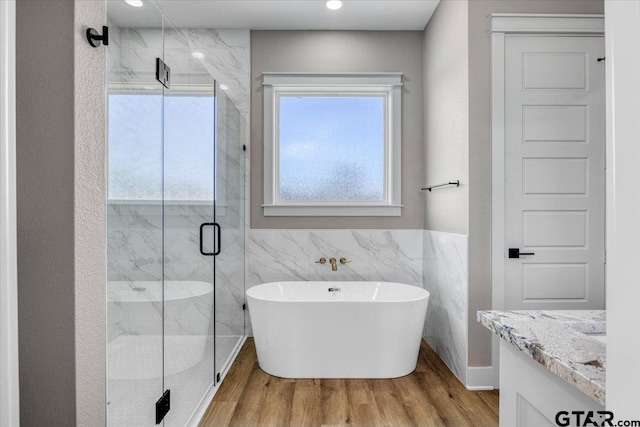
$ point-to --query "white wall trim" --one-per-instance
(481, 378)
(9, 385)
(497, 168)
(623, 206)
(348, 79)
(386, 85)
(540, 23)
(332, 210)
(503, 25)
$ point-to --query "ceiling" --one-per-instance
(287, 14)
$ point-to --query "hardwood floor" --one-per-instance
(430, 396)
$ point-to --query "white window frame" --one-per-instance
(389, 85)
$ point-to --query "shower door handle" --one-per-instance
(202, 226)
(218, 247)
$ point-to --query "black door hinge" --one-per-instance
(244, 306)
(244, 147)
(218, 377)
(163, 73)
(163, 406)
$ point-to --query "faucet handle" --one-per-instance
(322, 260)
(344, 260)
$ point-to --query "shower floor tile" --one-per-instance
(136, 382)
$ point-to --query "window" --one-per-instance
(142, 127)
(332, 144)
(135, 147)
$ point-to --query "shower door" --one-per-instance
(135, 232)
(230, 215)
(161, 190)
(189, 170)
(204, 225)
(176, 222)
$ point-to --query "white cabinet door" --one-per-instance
(531, 396)
(554, 172)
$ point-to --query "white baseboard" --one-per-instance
(480, 378)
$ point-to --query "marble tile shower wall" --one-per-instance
(389, 255)
(134, 249)
(133, 51)
(135, 244)
(446, 276)
(114, 64)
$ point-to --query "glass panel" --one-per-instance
(134, 215)
(230, 203)
(189, 128)
(165, 170)
(332, 148)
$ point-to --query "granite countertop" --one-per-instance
(559, 341)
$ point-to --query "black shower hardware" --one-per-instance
(163, 406)
(95, 39)
(456, 183)
(217, 247)
(163, 73)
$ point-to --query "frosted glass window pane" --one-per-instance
(188, 147)
(332, 148)
(135, 147)
(136, 139)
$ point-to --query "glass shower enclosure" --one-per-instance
(175, 223)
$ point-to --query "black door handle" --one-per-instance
(219, 232)
(515, 253)
(219, 246)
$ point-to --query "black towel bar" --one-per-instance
(456, 183)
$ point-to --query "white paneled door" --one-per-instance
(554, 172)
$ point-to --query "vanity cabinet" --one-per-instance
(532, 396)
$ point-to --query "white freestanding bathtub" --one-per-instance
(337, 329)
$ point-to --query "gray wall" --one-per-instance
(480, 152)
(343, 51)
(44, 161)
(90, 194)
(60, 234)
(449, 148)
(446, 118)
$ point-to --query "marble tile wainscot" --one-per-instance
(291, 255)
(445, 272)
(435, 261)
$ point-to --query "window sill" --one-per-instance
(332, 210)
